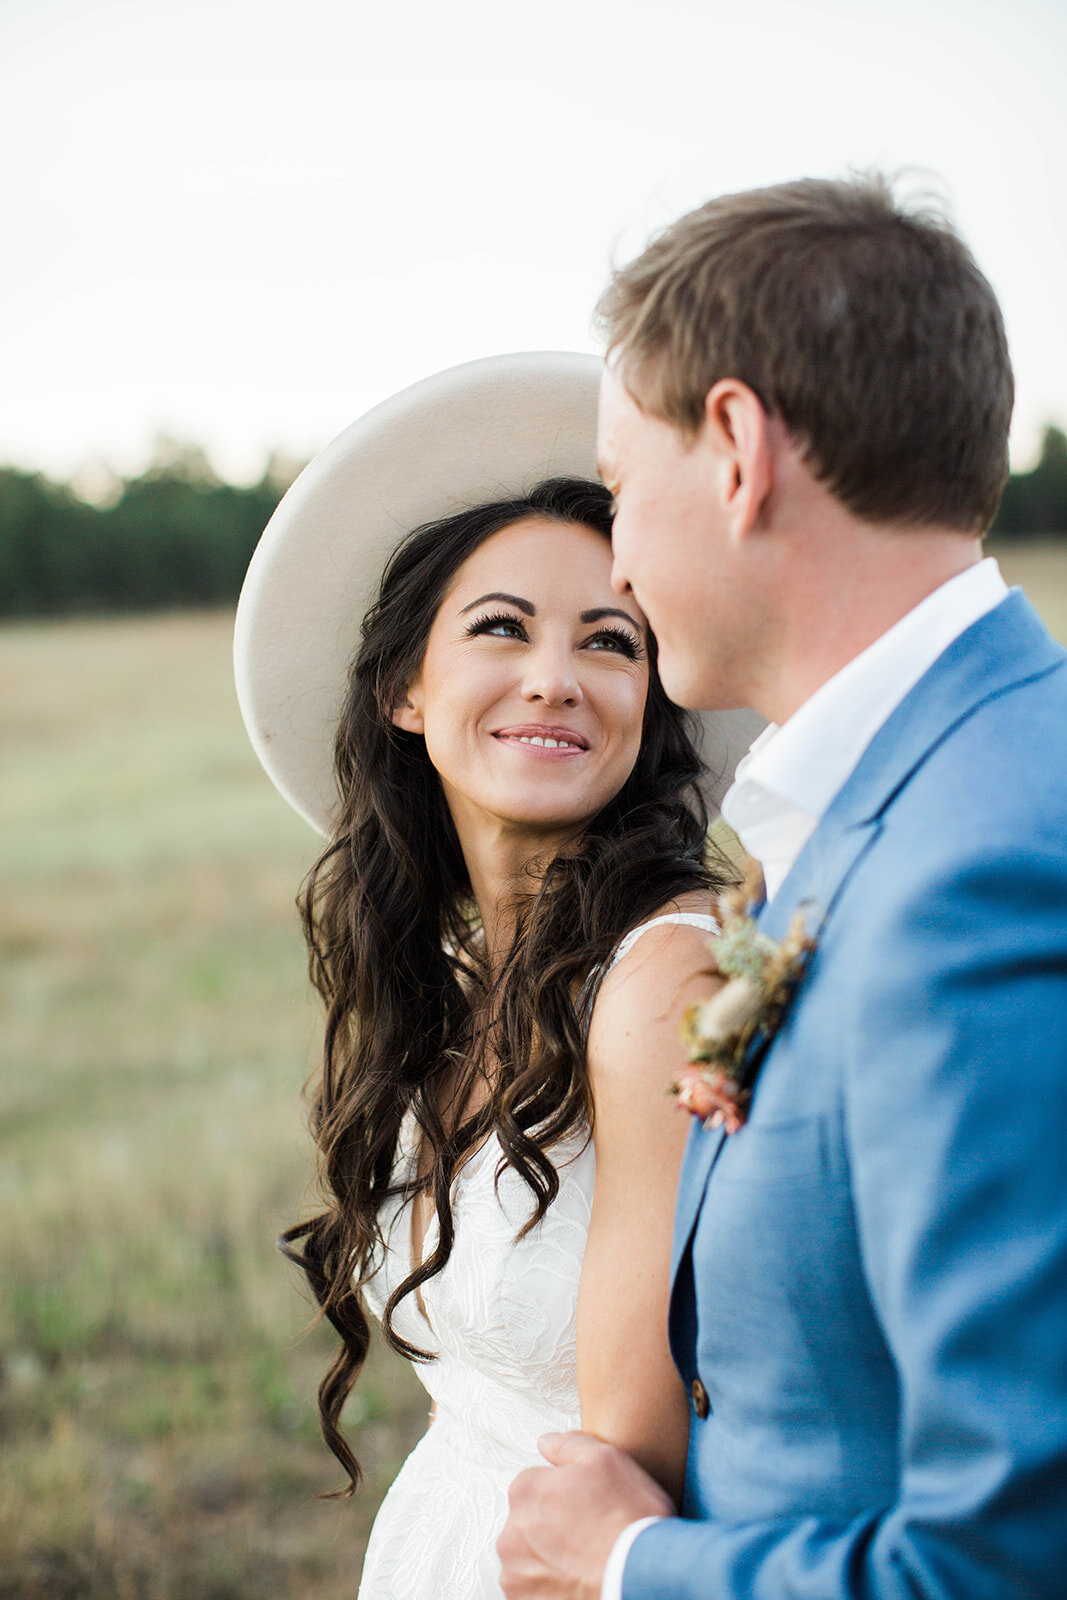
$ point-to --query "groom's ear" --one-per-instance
(737, 430)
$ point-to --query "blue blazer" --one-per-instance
(870, 1278)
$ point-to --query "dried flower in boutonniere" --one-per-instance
(728, 1035)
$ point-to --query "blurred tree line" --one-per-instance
(1036, 502)
(178, 536)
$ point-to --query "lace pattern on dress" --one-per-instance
(501, 1320)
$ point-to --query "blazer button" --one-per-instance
(701, 1403)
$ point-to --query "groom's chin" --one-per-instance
(678, 678)
(690, 685)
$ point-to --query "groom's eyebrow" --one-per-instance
(509, 600)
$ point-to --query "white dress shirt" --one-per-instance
(786, 782)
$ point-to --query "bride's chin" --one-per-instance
(545, 825)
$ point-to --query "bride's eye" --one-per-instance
(503, 625)
(616, 639)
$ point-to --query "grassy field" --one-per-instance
(156, 1393)
(156, 1386)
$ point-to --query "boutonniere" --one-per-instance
(728, 1035)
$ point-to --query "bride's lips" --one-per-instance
(543, 740)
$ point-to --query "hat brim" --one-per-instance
(487, 430)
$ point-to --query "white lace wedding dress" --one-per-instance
(500, 1319)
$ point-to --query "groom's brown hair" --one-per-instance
(864, 325)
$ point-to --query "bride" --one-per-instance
(511, 908)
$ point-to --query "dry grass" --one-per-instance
(156, 1395)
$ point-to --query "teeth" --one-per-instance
(549, 744)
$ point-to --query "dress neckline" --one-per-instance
(698, 919)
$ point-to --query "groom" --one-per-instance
(804, 421)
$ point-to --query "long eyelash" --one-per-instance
(630, 646)
(481, 624)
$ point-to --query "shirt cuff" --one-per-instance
(611, 1582)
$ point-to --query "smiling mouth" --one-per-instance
(556, 739)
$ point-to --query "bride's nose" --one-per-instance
(551, 676)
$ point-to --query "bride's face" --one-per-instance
(532, 689)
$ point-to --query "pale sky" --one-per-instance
(242, 222)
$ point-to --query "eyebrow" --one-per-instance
(530, 610)
(609, 611)
(525, 606)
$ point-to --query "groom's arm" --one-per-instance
(956, 1120)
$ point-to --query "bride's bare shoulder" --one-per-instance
(664, 939)
(636, 1019)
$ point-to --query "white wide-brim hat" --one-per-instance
(487, 430)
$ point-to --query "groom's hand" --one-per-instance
(565, 1518)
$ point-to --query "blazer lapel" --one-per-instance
(811, 891)
(1007, 646)
(817, 878)
(701, 1154)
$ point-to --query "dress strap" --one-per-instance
(591, 986)
(690, 919)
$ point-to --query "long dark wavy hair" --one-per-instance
(412, 1011)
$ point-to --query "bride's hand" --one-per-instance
(565, 1517)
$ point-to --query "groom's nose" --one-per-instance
(619, 581)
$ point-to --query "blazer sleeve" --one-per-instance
(955, 1095)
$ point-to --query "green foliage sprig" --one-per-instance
(727, 1035)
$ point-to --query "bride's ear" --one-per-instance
(407, 713)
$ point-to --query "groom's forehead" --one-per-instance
(626, 432)
(613, 413)
(605, 437)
